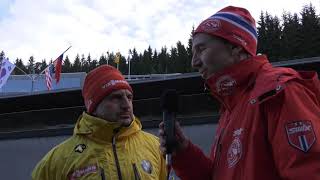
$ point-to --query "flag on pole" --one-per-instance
(117, 58)
(57, 67)
(6, 69)
(48, 73)
(54, 67)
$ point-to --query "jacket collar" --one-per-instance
(229, 85)
(103, 131)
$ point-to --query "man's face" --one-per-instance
(116, 107)
(210, 54)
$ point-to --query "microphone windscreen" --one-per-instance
(169, 100)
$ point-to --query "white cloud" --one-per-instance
(45, 28)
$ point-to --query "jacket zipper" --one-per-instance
(103, 177)
(116, 156)
(136, 173)
(219, 149)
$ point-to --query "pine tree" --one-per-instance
(123, 65)
(290, 36)
(2, 56)
(31, 65)
(19, 64)
(262, 35)
(183, 61)
(135, 69)
(66, 67)
(173, 60)
(310, 31)
(163, 60)
(102, 60)
(43, 65)
(37, 67)
(76, 67)
(273, 39)
(94, 63)
(155, 62)
(84, 64)
(147, 61)
(189, 52)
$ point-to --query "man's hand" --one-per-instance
(181, 141)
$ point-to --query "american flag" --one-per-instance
(48, 72)
(54, 67)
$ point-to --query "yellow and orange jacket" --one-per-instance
(103, 150)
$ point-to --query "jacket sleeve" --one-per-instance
(41, 171)
(293, 118)
(192, 163)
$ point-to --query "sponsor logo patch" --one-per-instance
(235, 149)
(113, 82)
(225, 85)
(300, 135)
(211, 25)
(242, 41)
(83, 171)
(146, 166)
(80, 148)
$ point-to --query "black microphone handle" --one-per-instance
(169, 128)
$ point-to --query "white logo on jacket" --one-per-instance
(146, 166)
(235, 149)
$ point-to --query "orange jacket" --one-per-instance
(268, 129)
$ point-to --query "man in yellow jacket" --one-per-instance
(108, 142)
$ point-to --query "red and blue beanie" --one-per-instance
(99, 83)
(234, 24)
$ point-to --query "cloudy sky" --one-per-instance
(45, 28)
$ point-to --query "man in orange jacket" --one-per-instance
(270, 117)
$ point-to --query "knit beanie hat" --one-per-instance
(99, 83)
(234, 24)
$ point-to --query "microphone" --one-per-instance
(169, 104)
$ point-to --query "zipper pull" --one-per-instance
(136, 173)
(103, 177)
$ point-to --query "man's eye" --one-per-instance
(130, 97)
(115, 97)
(201, 49)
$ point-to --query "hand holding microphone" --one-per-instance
(172, 138)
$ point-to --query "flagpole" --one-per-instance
(129, 72)
(1, 60)
(129, 69)
(67, 49)
(33, 78)
(22, 71)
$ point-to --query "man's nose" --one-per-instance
(195, 62)
(125, 102)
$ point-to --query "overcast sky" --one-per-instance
(45, 28)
